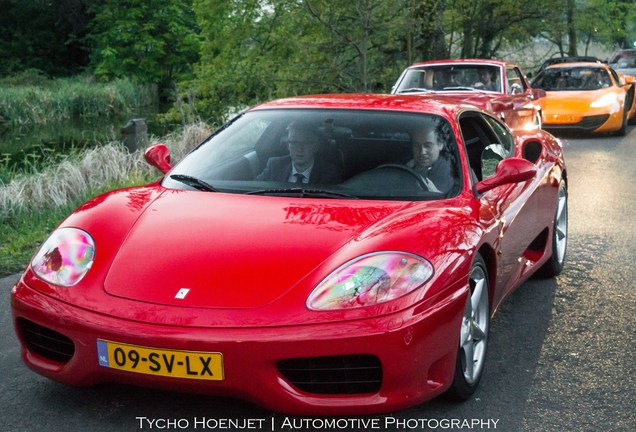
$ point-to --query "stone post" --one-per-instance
(135, 134)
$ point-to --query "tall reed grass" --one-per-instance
(73, 177)
(70, 98)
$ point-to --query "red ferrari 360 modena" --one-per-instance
(493, 85)
(366, 287)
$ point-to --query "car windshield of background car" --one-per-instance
(572, 79)
(470, 77)
(352, 147)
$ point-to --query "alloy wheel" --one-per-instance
(474, 328)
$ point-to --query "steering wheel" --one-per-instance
(420, 180)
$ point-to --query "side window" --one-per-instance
(496, 150)
(616, 77)
(486, 141)
(515, 81)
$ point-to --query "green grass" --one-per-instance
(21, 236)
(20, 239)
(24, 232)
(43, 101)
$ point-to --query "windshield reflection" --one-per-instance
(326, 153)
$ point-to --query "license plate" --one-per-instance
(154, 361)
(560, 118)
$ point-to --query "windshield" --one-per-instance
(324, 153)
(572, 78)
(450, 77)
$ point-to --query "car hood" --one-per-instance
(574, 100)
(219, 250)
(476, 98)
(479, 99)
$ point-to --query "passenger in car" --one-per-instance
(428, 160)
(487, 79)
(302, 164)
(444, 79)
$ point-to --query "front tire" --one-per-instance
(473, 335)
(554, 266)
(623, 130)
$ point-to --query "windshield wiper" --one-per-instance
(461, 88)
(194, 182)
(415, 90)
(305, 193)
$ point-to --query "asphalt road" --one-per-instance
(562, 352)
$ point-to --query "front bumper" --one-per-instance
(592, 121)
(415, 348)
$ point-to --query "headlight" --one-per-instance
(369, 280)
(607, 99)
(65, 257)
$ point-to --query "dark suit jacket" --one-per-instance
(440, 173)
(279, 169)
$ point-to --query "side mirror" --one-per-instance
(516, 89)
(158, 156)
(512, 170)
(538, 93)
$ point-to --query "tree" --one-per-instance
(554, 27)
(484, 25)
(290, 47)
(153, 42)
(240, 54)
(615, 22)
(255, 50)
(603, 21)
(569, 20)
(429, 17)
(43, 35)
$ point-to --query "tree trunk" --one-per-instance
(571, 30)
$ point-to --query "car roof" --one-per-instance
(578, 64)
(439, 105)
(572, 59)
(488, 62)
(625, 50)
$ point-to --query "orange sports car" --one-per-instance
(588, 97)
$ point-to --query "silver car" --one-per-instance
(624, 61)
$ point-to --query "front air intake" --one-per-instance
(45, 342)
(348, 374)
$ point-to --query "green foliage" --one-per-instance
(234, 70)
(211, 56)
(151, 42)
(27, 77)
(293, 47)
(484, 25)
(610, 22)
(43, 34)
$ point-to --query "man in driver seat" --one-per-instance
(435, 169)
